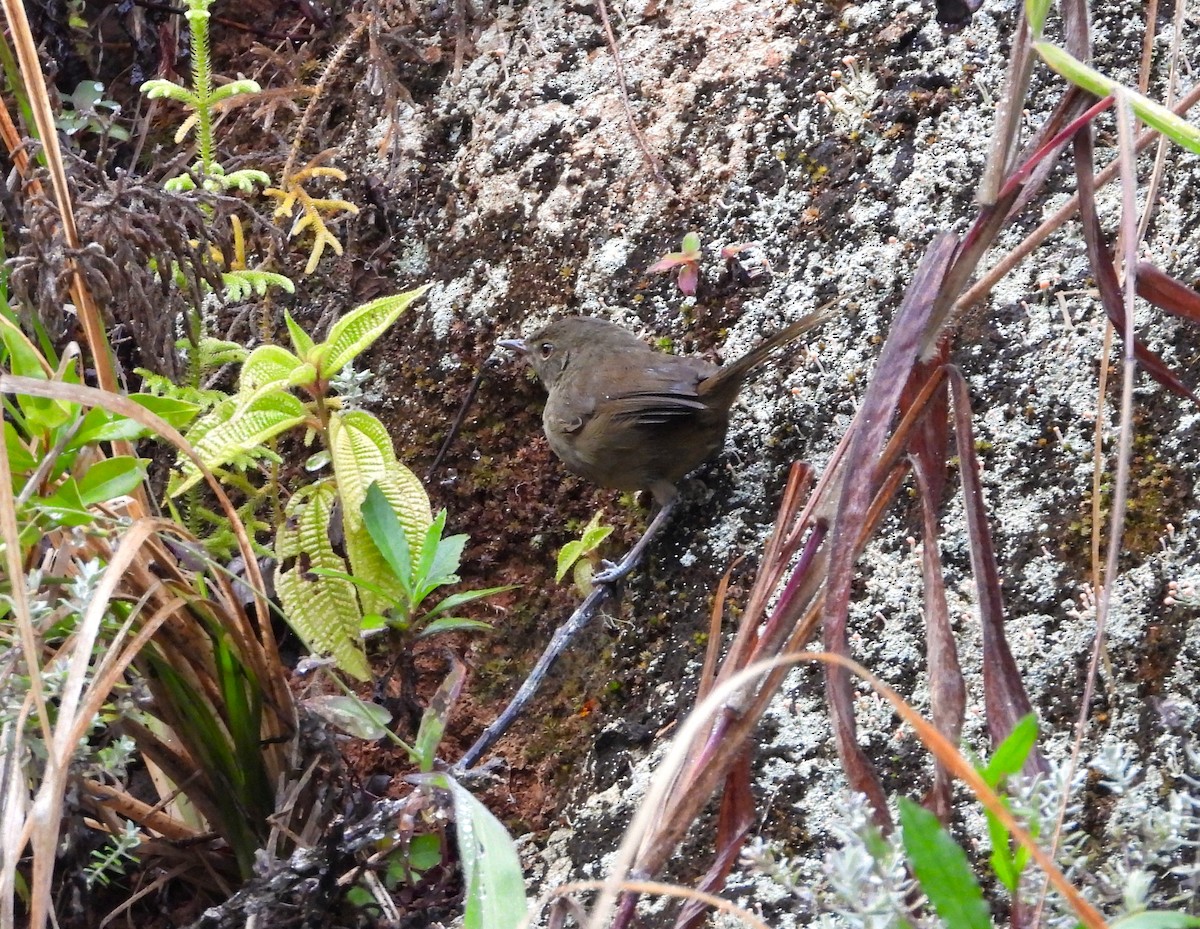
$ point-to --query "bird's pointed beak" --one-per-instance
(517, 346)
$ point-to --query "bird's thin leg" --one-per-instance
(614, 573)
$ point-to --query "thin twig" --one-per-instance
(656, 171)
(563, 636)
(472, 391)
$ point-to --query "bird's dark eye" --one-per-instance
(546, 349)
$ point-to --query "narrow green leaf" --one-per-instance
(99, 425)
(23, 358)
(453, 624)
(423, 571)
(178, 413)
(1035, 13)
(447, 558)
(495, 896)
(388, 535)
(359, 582)
(454, 601)
(112, 477)
(1010, 755)
(301, 341)
(19, 457)
(357, 330)
(1001, 859)
(1152, 113)
(942, 869)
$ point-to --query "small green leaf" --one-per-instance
(388, 535)
(353, 716)
(453, 624)
(423, 572)
(425, 852)
(1003, 864)
(454, 601)
(267, 365)
(357, 330)
(567, 556)
(691, 244)
(495, 894)
(446, 560)
(112, 477)
(942, 869)
(99, 425)
(301, 341)
(177, 413)
(65, 506)
(373, 623)
(1010, 754)
(19, 458)
(593, 534)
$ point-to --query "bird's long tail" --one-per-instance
(736, 372)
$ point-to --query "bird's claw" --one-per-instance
(611, 572)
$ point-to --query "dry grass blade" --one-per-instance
(1165, 292)
(668, 773)
(872, 424)
(983, 286)
(115, 403)
(734, 821)
(140, 570)
(1009, 113)
(651, 887)
(31, 73)
(947, 691)
(1003, 690)
(1103, 596)
(1106, 275)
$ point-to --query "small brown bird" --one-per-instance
(626, 416)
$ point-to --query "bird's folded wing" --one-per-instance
(650, 408)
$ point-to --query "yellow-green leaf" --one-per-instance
(267, 364)
(323, 610)
(354, 332)
(228, 431)
(361, 450)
